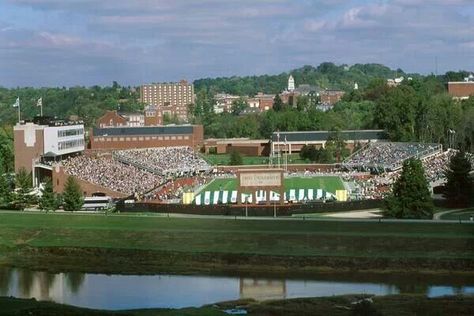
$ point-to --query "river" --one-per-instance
(115, 292)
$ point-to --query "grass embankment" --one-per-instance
(337, 305)
(129, 244)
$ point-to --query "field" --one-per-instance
(327, 183)
(223, 159)
(152, 244)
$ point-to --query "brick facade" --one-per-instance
(111, 119)
(461, 90)
(147, 137)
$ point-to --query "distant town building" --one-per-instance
(291, 83)
(356, 86)
(169, 98)
(224, 102)
(115, 119)
(153, 116)
(462, 90)
(395, 82)
(331, 97)
(261, 101)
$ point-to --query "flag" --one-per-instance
(39, 102)
(17, 103)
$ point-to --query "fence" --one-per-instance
(252, 210)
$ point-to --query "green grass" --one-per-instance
(281, 238)
(327, 183)
(223, 159)
(335, 305)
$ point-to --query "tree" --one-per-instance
(6, 196)
(410, 197)
(459, 186)
(235, 158)
(277, 103)
(48, 200)
(24, 185)
(73, 199)
(239, 105)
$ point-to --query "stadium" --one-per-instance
(168, 174)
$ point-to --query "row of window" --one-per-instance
(174, 87)
(140, 138)
(70, 144)
(70, 132)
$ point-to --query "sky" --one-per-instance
(95, 42)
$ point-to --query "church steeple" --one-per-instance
(291, 83)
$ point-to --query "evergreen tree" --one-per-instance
(73, 199)
(235, 158)
(6, 196)
(24, 185)
(410, 197)
(277, 103)
(48, 200)
(459, 186)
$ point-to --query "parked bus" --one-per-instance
(97, 203)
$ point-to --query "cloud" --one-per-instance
(135, 41)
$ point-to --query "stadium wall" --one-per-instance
(253, 210)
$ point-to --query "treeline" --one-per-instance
(325, 76)
(417, 110)
(87, 103)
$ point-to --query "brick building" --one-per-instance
(461, 90)
(146, 137)
(39, 143)
(169, 98)
(331, 97)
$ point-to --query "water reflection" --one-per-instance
(74, 281)
(5, 279)
(175, 291)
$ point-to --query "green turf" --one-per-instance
(298, 238)
(327, 183)
(223, 159)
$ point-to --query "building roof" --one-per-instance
(309, 136)
(144, 130)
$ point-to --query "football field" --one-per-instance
(326, 183)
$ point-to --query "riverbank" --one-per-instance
(150, 245)
(337, 305)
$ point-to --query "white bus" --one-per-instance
(96, 203)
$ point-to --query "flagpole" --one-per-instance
(19, 112)
(41, 109)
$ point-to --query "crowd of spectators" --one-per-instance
(171, 161)
(388, 155)
(112, 174)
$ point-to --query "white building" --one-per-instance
(291, 83)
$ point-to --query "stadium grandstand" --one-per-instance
(137, 171)
(389, 156)
(169, 161)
